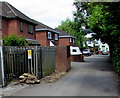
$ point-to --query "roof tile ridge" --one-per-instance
(11, 8)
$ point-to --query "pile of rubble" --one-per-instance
(28, 79)
(31, 79)
(54, 77)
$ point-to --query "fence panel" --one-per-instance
(37, 62)
(16, 61)
(48, 60)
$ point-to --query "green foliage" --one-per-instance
(67, 26)
(14, 40)
(30, 43)
(75, 27)
(104, 19)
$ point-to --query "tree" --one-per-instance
(80, 17)
(80, 21)
(75, 27)
(104, 20)
(14, 40)
(67, 26)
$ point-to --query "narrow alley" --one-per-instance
(94, 77)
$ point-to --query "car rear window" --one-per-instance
(85, 50)
(74, 50)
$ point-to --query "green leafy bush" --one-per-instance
(14, 40)
(116, 58)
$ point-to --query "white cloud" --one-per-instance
(49, 12)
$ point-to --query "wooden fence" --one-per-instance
(16, 61)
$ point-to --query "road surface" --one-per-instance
(93, 77)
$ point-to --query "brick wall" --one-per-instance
(65, 42)
(13, 27)
(25, 30)
(77, 58)
(4, 27)
(63, 63)
(42, 37)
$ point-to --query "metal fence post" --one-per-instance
(2, 66)
(36, 56)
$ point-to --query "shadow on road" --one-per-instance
(100, 62)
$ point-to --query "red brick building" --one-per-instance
(17, 23)
(65, 39)
(46, 36)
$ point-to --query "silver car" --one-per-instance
(86, 52)
(104, 52)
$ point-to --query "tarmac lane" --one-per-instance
(94, 77)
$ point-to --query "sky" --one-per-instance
(49, 12)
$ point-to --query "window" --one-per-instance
(89, 42)
(103, 46)
(56, 36)
(21, 26)
(74, 50)
(96, 42)
(30, 29)
(71, 40)
(49, 35)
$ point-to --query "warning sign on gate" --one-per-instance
(29, 54)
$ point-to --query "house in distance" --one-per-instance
(46, 35)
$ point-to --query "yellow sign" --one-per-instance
(29, 54)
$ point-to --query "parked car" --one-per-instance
(86, 52)
(104, 52)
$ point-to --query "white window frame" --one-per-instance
(56, 36)
(49, 35)
(73, 40)
(70, 40)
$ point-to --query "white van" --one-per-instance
(75, 50)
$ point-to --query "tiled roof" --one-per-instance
(9, 11)
(33, 42)
(42, 27)
(63, 33)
